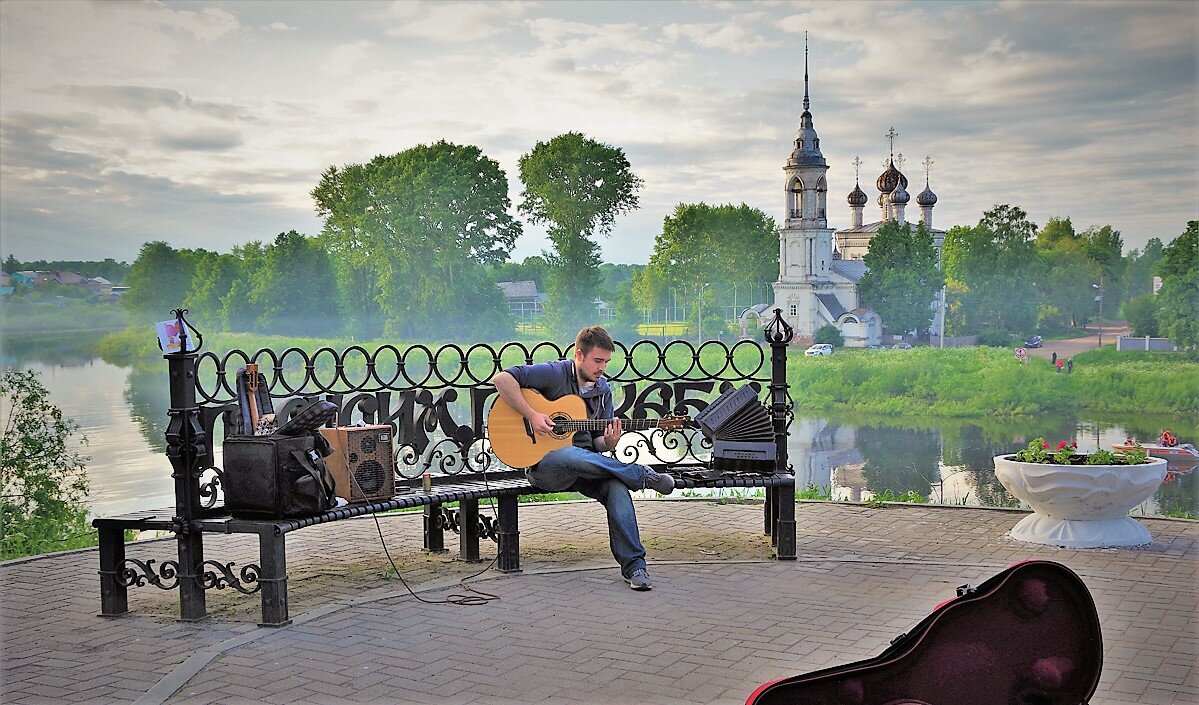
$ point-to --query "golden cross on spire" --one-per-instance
(899, 160)
(857, 165)
(928, 165)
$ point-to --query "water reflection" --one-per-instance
(858, 458)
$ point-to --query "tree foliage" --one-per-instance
(418, 226)
(996, 266)
(702, 243)
(1141, 314)
(1139, 270)
(159, 281)
(1178, 300)
(575, 186)
(830, 335)
(902, 279)
(43, 481)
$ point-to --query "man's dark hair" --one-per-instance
(594, 337)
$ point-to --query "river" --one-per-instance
(852, 457)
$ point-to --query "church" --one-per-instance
(819, 268)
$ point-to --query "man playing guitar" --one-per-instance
(582, 467)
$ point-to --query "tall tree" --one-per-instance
(701, 243)
(902, 279)
(1104, 246)
(996, 266)
(575, 186)
(1178, 300)
(296, 288)
(214, 276)
(159, 280)
(1058, 234)
(1138, 275)
(415, 224)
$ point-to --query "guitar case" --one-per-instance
(1027, 636)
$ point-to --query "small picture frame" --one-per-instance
(170, 338)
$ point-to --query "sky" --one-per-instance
(208, 124)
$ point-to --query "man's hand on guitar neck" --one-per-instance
(611, 437)
(509, 390)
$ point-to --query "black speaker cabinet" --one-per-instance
(362, 462)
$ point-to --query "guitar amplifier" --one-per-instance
(362, 463)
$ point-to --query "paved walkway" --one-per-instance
(1072, 346)
(723, 619)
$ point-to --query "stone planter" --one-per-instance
(1080, 506)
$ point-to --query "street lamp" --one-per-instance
(699, 312)
(1099, 298)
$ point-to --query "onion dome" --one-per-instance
(882, 200)
(857, 197)
(889, 179)
(927, 197)
(900, 195)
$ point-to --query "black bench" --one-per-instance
(421, 393)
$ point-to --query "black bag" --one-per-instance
(275, 477)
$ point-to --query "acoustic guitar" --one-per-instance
(517, 446)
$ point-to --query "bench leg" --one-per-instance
(509, 535)
(784, 528)
(192, 604)
(434, 529)
(769, 515)
(272, 557)
(468, 530)
(114, 595)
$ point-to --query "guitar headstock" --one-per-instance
(673, 422)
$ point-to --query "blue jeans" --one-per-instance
(605, 480)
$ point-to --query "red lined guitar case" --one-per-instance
(1027, 636)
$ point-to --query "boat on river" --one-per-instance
(1178, 456)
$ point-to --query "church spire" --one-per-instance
(807, 143)
(806, 102)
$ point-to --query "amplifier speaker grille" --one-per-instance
(362, 463)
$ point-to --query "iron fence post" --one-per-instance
(187, 449)
(781, 507)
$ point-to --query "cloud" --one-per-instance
(450, 22)
(279, 27)
(143, 99)
(346, 59)
(202, 141)
(733, 38)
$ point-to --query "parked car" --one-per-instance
(819, 349)
(1034, 342)
(901, 346)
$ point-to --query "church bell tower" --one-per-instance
(806, 241)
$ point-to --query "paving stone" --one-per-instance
(712, 631)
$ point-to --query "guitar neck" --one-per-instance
(601, 424)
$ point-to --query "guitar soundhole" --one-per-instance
(557, 418)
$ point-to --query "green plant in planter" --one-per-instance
(1039, 451)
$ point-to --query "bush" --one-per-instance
(830, 335)
(44, 483)
(1141, 314)
(995, 339)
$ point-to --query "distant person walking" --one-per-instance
(1059, 363)
(1069, 365)
(1053, 358)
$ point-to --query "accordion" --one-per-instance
(741, 431)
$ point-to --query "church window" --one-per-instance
(794, 310)
(850, 319)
